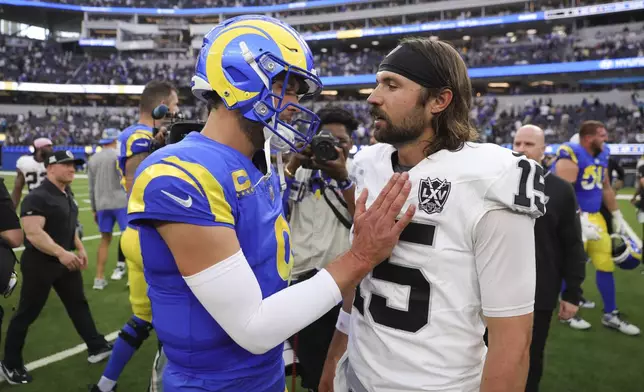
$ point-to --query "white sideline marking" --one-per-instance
(61, 355)
(624, 197)
(88, 238)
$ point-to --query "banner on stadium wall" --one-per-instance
(563, 13)
(10, 154)
(425, 27)
(183, 11)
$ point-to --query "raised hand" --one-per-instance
(377, 229)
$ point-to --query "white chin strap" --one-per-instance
(269, 166)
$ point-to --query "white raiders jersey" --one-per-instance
(33, 171)
(417, 322)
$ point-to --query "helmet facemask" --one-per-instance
(282, 136)
(285, 135)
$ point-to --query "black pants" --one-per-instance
(38, 277)
(540, 330)
(312, 345)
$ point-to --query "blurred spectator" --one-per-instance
(45, 61)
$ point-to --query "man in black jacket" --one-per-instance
(559, 252)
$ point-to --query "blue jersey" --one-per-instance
(202, 182)
(134, 140)
(590, 178)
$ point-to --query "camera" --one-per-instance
(176, 130)
(323, 146)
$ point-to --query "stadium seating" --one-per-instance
(48, 63)
(495, 123)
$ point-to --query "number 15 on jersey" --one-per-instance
(530, 195)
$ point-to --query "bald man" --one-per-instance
(559, 252)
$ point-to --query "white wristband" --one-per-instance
(344, 321)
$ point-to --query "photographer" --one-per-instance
(322, 205)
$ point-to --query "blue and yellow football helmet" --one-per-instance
(626, 253)
(242, 57)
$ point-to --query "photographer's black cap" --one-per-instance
(63, 156)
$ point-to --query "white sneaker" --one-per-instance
(616, 321)
(99, 284)
(118, 273)
(577, 323)
(584, 303)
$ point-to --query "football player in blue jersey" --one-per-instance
(133, 146)
(214, 240)
(585, 165)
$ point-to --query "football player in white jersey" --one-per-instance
(30, 169)
(467, 260)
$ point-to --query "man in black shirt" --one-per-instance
(559, 252)
(49, 214)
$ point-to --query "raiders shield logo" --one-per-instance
(432, 195)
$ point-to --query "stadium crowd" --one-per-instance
(67, 126)
(496, 124)
(48, 63)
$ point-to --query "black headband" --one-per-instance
(406, 61)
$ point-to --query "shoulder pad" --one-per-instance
(176, 190)
(568, 151)
(519, 185)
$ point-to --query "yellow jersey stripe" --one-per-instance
(138, 135)
(136, 202)
(219, 206)
(570, 152)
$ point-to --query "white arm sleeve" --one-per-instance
(505, 263)
(231, 294)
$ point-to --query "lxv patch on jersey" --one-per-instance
(433, 194)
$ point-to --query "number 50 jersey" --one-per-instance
(417, 322)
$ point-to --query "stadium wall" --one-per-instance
(621, 98)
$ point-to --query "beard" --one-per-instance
(408, 130)
(254, 131)
(597, 148)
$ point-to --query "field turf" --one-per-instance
(597, 360)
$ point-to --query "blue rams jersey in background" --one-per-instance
(590, 179)
(202, 182)
(134, 140)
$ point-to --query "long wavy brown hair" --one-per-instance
(452, 127)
